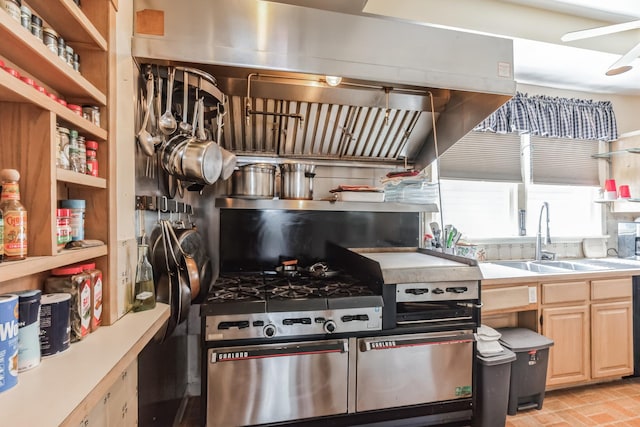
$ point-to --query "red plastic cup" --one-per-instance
(610, 185)
(624, 192)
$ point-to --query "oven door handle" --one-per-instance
(284, 351)
(396, 342)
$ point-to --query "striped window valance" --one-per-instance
(554, 117)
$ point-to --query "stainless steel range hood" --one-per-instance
(394, 75)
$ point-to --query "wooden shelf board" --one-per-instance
(15, 269)
(72, 177)
(25, 50)
(70, 22)
(15, 90)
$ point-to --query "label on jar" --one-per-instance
(97, 303)
(10, 191)
(15, 233)
(85, 307)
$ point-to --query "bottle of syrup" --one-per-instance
(14, 215)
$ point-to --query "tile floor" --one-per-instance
(616, 403)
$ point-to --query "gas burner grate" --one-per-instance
(293, 291)
(237, 288)
(259, 287)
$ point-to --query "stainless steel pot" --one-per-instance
(190, 159)
(255, 181)
(297, 181)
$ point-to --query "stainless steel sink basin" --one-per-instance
(565, 266)
(531, 266)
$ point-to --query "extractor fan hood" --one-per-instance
(272, 59)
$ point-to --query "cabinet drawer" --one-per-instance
(565, 292)
(512, 297)
(611, 288)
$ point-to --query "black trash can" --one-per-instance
(494, 374)
(529, 370)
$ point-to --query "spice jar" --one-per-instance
(75, 108)
(25, 17)
(96, 293)
(82, 155)
(92, 158)
(63, 227)
(36, 26)
(77, 283)
(76, 62)
(50, 39)
(74, 155)
(13, 9)
(91, 113)
(62, 49)
(77, 208)
(69, 57)
(62, 154)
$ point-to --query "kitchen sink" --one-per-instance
(534, 266)
(565, 266)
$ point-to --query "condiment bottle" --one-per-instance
(144, 293)
(15, 216)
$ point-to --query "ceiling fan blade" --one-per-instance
(600, 31)
(624, 63)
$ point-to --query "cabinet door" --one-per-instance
(569, 356)
(612, 339)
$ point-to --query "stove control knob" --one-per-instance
(438, 291)
(269, 331)
(330, 326)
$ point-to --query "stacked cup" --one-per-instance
(610, 191)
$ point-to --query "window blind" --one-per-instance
(564, 161)
(483, 156)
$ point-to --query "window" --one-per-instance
(481, 206)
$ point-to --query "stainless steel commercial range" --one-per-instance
(338, 343)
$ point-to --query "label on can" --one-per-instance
(9, 315)
(15, 233)
(29, 333)
(55, 328)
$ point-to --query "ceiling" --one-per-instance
(540, 57)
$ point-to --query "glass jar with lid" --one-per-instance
(62, 153)
(50, 39)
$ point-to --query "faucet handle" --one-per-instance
(548, 255)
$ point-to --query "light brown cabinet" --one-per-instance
(28, 121)
(569, 356)
(590, 323)
(119, 405)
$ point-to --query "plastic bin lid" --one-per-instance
(522, 339)
(505, 356)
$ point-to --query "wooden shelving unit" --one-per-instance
(28, 120)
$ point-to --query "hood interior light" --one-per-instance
(333, 80)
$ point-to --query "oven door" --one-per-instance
(276, 382)
(413, 369)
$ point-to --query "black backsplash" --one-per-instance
(254, 240)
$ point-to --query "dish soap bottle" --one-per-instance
(15, 216)
(144, 293)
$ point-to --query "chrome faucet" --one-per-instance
(540, 254)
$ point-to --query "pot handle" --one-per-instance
(309, 174)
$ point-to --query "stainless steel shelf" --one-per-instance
(321, 205)
(611, 153)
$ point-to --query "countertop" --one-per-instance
(58, 390)
(494, 274)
